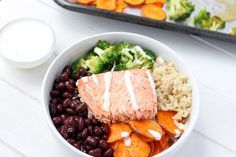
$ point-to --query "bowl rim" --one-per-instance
(168, 151)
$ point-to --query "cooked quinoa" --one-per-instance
(173, 89)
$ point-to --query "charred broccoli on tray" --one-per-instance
(105, 55)
(204, 20)
(179, 9)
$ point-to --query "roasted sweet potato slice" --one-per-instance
(158, 149)
(120, 6)
(153, 11)
(159, 4)
(134, 2)
(144, 138)
(137, 148)
(165, 119)
(150, 1)
(116, 131)
(152, 147)
(164, 141)
(84, 1)
(106, 4)
(147, 128)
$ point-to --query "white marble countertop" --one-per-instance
(24, 131)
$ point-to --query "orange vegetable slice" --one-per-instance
(94, 2)
(120, 6)
(152, 147)
(144, 138)
(165, 119)
(159, 4)
(106, 4)
(154, 12)
(150, 1)
(84, 1)
(137, 147)
(164, 142)
(116, 131)
(147, 128)
(158, 149)
(134, 2)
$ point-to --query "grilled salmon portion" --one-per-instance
(119, 96)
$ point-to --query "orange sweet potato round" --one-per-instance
(147, 128)
(153, 11)
(84, 1)
(116, 130)
(137, 148)
(165, 119)
(106, 4)
(134, 2)
(120, 6)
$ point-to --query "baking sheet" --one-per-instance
(226, 9)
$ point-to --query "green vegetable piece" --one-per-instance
(103, 44)
(95, 64)
(233, 31)
(77, 64)
(120, 66)
(204, 20)
(179, 10)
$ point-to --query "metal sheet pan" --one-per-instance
(146, 21)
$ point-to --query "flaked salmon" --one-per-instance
(119, 96)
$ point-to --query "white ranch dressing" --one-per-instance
(85, 79)
(177, 133)
(155, 134)
(126, 138)
(151, 82)
(130, 89)
(26, 40)
(95, 79)
(106, 96)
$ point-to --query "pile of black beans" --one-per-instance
(70, 116)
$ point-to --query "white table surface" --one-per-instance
(23, 130)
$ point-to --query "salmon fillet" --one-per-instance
(119, 96)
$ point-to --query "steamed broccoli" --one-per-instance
(103, 44)
(109, 55)
(233, 31)
(95, 64)
(179, 10)
(204, 20)
(77, 64)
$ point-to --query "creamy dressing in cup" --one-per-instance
(26, 43)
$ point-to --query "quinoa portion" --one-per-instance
(173, 89)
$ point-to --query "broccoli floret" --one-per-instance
(233, 31)
(179, 9)
(120, 66)
(77, 64)
(95, 64)
(110, 55)
(150, 53)
(216, 23)
(204, 20)
(103, 44)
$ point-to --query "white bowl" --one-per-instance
(79, 49)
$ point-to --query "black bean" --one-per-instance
(77, 145)
(55, 93)
(67, 95)
(95, 121)
(103, 143)
(105, 129)
(70, 129)
(87, 121)
(59, 108)
(84, 133)
(81, 108)
(69, 120)
(66, 69)
(76, 96)
(72, 81)
(91, 141)
(70, 111)
(53, 109)
(108, 152)
(97, 131)
(57, 120)
(54, 101)
(95, 152)
(63, 117)
(67, 102)
(82, 148)
(88, 147)
(69, 86)
(105, 137)
(64, 132)
(89, 73)
(71, 141)
(60, 86)
(90, 127)
(81, 71)
(80, 124)
(79, 136)
(64, 77)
